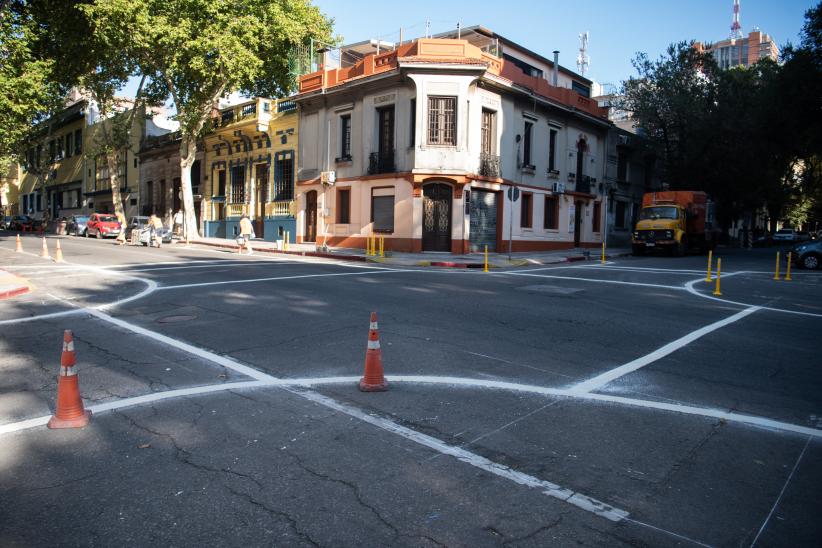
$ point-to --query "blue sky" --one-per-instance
(617, 28)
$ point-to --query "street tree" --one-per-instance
(202, 49)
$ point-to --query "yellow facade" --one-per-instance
(250, 168)
(10, 190)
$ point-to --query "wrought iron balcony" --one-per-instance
(381, 162)
(583, 184)
(489, 165)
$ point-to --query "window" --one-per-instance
(619, 215)
(595, 220)
(552, 149)
(78, 141)
(551, 221)
(582, 89)
(382, 209)
(52, 150)
(487, 133)
(284, 176)
(412, 123)
(526, 145)
(622, 166)
(39, 198)
(526, 210)
(442, 121)
(266, 107)
(60, 144)
(344, 206)
(69, 144)
(237, 185)
(345, 137)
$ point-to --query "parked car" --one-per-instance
(808, 254)
(140, 224)
(784, 235)
(22, 222)
(102, 225)
(5, 222)
(76, 225)
(802, 236)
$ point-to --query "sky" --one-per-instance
(617, 29)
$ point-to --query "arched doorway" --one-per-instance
(436, 217)
(310, 216)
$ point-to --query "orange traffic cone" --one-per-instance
(373, 379)
(19, 247)
(69, 412)
(58, 253)
(45, 251)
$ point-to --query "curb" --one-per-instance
(9, 293)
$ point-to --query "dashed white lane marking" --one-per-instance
(609, 376)
(640, 269)
(595, 280)
(579, 500)
(689, 287)
(275, 278)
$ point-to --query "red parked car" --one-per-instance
(102, 225)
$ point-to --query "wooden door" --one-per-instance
(311, 216)
(261, 181)
(577, 224)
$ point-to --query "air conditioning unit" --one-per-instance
(624, 140)
(559, 188)
(328, 177)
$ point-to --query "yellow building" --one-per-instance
(53, 168)
(10, 190)
(249, 168)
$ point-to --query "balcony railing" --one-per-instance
(286, 105)
(583, 183)
(236, 210)
(381, 162)
(283, 208)
(489, 165)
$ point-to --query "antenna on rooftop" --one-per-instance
(582, 59)
(736, 28)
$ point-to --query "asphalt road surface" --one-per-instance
(576, 404)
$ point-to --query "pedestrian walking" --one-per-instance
(121, 237)
(246, 233)
(156, 225)
(178, 223)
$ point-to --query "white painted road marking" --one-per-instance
(609, 376)
(275, 278)
(596, 280)
(689, 287)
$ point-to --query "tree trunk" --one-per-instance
(112, 160)
(188, 154)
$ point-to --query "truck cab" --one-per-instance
(674, 221)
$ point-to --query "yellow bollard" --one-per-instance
(382, 246)
(788, 269)
(485, 268)
(717, 292)
(710, 262)
(776, 272)
(603, 253)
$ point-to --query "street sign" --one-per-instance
(513, 193)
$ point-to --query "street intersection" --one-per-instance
(615, 404)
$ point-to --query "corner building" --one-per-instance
(425, 141)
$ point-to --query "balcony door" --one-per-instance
(261, 182)
(436, 217)
(310, 216)
(385, 138)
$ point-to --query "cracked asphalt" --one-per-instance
(302, 458)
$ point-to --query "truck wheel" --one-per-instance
(637, 250)
(681, 248)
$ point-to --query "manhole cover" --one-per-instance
(175, 319)
(551, 289)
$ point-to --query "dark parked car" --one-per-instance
(5, 222)
(76, 225)
(808, 254)
(22, 222)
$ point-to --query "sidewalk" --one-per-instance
(11, 285)
(453, 260)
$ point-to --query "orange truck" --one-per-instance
(676, 221)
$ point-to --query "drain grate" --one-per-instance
(175, 319)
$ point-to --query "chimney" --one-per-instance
(555, 78)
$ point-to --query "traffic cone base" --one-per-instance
(373, 379)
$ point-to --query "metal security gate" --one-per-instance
(483, 228)
(436, 218)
